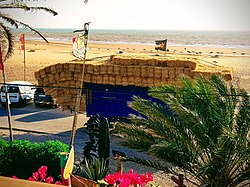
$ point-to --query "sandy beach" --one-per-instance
(39, 54)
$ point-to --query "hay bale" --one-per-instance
(65, 66)
(123, 70)
(125, 81)
(87, 77)
(89, 68)
(72, 67)
(105, 79)
(144, 71)
(111, 79)
(117, 70)
(110, 70)
(157, 72)
(165, 73)
(118, 80)
(151, 71)
(99, 79)
(59, 67)
(138, 81)
(131, 80)
(172, 73)
(103, 69)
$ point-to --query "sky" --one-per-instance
(141, 14)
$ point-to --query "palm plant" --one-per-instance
(204, 129)
(6, 36)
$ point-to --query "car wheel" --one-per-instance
(37, 105)
(22, 102)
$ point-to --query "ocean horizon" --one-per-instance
(220, 39)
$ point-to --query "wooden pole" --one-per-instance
(24, 60)
(79, 94)
(7, 100)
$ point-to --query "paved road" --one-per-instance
(40, 119)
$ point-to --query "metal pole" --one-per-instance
(7, 102)
(79, 94)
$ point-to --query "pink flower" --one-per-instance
(49, 180)
(35, 176)
(14, 177)
(31, 179)
(42, 171)
(58, 183)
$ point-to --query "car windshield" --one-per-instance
(10, 89)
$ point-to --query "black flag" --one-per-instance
(161, 45)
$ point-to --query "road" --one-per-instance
(47, 120)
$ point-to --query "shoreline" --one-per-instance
(40, 54)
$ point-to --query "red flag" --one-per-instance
(21, 40)
(1, 60)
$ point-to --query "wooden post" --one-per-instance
(79, 94)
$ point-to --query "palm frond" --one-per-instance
(32, 29)
(9, 19)
(7, 41)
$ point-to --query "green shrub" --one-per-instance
(22, 158)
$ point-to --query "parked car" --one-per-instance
(20, 93)
(41, 99)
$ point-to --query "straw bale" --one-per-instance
(118, 80)
(53, 69)
(66, 66)
(161, 63)
(123, 70)
(187, 71)
(151, 81)
(94, 79)
(37, 75)
(157, 82)
(179, 71)
(110, 69)
(151, 71)
(47, 70)
(144, 82)
(152, 62)
(131, 80)
(42, 72)
(59, 67)
(144, 71)
(116, 60)
(125, 81)
(72, 67)
(171, 73)
(105, 79)
(157, 72)
(88, 77)
(103, 69)
(117, 70)
(191, 64)
(111, 79)
(164, 72)
(227, 76)
(96, 69)
(130, 70)
(78, 67)
(46, 80)
(134, 62)
(99, 79)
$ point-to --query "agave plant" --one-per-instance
(6, 36)
(204, 129)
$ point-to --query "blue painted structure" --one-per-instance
(112, 101)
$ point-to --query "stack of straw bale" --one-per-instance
(118, 70)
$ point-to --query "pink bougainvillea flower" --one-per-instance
(49, 180)
(14, 177)
(42, 169)
(31, 179)
(58, 183)
(35, 176)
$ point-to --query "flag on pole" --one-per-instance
(1, 60)
(22, 41)
(79, 46)
(161, 45)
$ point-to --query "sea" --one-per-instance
(220, 39)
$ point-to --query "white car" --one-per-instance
(20, 92)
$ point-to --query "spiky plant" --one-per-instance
(6, 36)
(205, 130)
